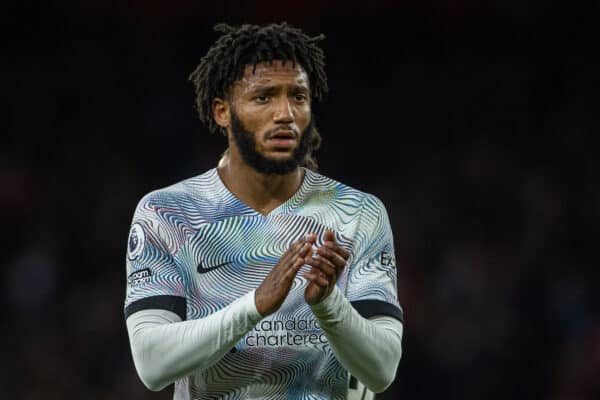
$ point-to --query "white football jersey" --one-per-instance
(194, 248)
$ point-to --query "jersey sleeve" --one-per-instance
(154, 281)
(372, 276)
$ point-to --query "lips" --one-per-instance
(283, 135)
(282, 140)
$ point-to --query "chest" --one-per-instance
(223, 261)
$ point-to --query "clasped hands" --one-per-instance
(326, 265)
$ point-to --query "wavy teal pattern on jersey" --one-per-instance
(202, 244)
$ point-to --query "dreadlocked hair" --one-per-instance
(245, 45)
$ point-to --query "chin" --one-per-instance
(275, 165)
(279, 156)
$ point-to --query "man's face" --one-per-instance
(270, 117)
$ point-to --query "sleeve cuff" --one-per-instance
(332, 309)
(249, 304)
(175, 304)
(334, 306)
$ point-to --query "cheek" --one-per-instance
(251, 119)
(303, 117)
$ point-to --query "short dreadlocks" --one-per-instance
(245, 45)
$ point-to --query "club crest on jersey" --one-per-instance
(135, 244)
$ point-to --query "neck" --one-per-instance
(262, 192)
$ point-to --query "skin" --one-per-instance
(275, 98)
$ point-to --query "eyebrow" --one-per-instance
(273, 88)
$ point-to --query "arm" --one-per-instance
(369, 349)
(164, 348)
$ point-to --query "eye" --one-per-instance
(261, 99)
(300, 97)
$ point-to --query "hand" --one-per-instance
(277, 284)
(325, 269)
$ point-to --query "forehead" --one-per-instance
(273, 74)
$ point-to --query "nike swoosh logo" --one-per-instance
(203, 269)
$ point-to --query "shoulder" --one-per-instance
(323, 186)
(200, 188)
(190, 202)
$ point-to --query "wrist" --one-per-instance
(330, 306)
(255, 310)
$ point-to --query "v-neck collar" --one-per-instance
(284, 208)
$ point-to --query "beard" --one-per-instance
(246, 143)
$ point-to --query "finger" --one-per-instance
(317, 279)
(305, 250)
(330, 241)
(300, 243)
(298, 263)
(299, 247)
(288, 257)
(302, 252)
(295, 266)
(336, 259)
(338, 249)
(310, 237)
(329, 236)
(323, 264)
(290, 252)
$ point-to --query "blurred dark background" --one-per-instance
(475, 124)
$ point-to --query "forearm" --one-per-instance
(164, 348)
(369, 349)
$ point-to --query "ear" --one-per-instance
(220, 109)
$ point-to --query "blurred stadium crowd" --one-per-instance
(476, 127)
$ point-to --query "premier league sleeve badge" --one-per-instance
(135, 244)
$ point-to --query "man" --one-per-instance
(262, 279)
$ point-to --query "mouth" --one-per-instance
(283, 139)
(283, 134)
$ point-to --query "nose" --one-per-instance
(283, 112)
